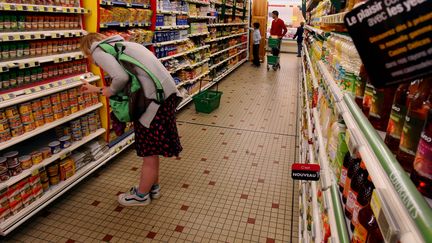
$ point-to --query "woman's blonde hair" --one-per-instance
(88, 40)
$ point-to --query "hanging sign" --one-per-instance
(393, 38)
(308, 172)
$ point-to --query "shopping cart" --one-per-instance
(273, 59)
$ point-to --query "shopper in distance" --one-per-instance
(278, 30)
(299, 36)
(142, 91)
(256, 44)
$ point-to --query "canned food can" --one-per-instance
(46, 152)
(5, 135)
(46, 101)
(14, 121)
(27, 118)
(17, 131)
(55, 99)
(26, 162)
(11, 112)
(49, 118)
(58, 115)
(36, 157)
(4, 125)
(25, 108)
(36, 105)
(29, 126)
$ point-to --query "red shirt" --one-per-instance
(278, 28)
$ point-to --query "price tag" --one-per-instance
(122, 24)
(37, 89)
(76, 10)
(4, 69)
(35, 172)
(128, 5)
(28, 91)
(67, 34)
(31, 36)
(117, 149)
(65, 155)
(20, 7)
(103, 25)
(5, 97)
(55, 84)
(63, 82)
(47, 86)
(35, 8)
(22, 37)
(7, 7)
(388, 225)
(58, 59)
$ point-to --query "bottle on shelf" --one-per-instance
(357, 182)
(353, 169)
(367, 226)
(381, 105)
(414, 121)
(363, 199)
(367, 98)
(422, 173)
(360, 86)
(344, 171)
(402, 99)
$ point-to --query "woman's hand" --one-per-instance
(89, 88)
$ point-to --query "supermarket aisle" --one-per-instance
(232, 183)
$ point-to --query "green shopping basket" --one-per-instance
(272, 60)
(207, 101)
(274, 42)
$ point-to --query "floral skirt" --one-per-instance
(162, 137)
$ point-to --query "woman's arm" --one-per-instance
(110, 65)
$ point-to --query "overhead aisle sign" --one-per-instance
(393, 38)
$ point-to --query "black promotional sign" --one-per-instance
(308, 172)
(393, 38)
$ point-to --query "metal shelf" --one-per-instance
(225, 37)
(41, 8)
(223, 75)
(161, 11)
(229, 58)
(48, 126)
(407, 204)
(198, 2)
(198, 34)
(123, 4)
(15, 179)
(125, 24)
(227, 49)
(184, 53)
(39, 35)
(164, 43)
(169, 27)
(55, 192)
(36, 61)
(191, 81)
(23, 95)
(225, 24)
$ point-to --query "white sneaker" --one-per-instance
(132, 199)
(155, 192)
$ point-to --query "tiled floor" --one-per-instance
(231, 184)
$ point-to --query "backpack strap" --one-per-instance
(117, 52)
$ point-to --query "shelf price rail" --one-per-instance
(316, 230)
(329, 183)
(391, 181)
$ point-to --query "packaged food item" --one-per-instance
(30, 126)
(36, 157)
(4, 125)
(26, 162)
(55, 147)
(4, 173)
(65, 141)
(5, 135)
(26, 193)
(39, 122)
(36, 105)
(48, 118)
(25, 108)
(43, 175)
(12, 158)
(27, 118)
(3, 161)
(17, 131)
(67, 169)
(14, 170)
(14, 121)
(15, 200)
(11, 112)
(58, 115)
(4, 205)
(46, 101)
(46, 152)
(54, 180)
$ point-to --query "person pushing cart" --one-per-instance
(277, 31)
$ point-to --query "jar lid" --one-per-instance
(2, 160)
(65, 138)
(11, 154)
(54, 144)
(24, 158)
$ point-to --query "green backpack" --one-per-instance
(131, 103)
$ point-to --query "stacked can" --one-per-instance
(73, 101)
(65, 103)
(93, 123)
(38, 114)
(15, 124)
(43, 175)
(53, 173)
(47, 109)
(95, 98)
(4, 172)
(81, 101)
(56, 106)
(13, 164)
(27, 117)
(76, 130)
(5, 133)
(85, 128)
(36, 185)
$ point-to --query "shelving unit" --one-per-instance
(65, 77)
(403, 214)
